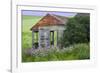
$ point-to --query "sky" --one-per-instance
(43, 13)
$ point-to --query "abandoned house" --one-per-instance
(45, 30)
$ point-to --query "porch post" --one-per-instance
(57, 39)
(32, 39)
(53, 37)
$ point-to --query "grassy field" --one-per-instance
(27, 23)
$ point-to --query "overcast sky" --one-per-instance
(43, 13)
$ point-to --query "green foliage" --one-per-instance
(81, 51)
(73, 52)
(77, 31)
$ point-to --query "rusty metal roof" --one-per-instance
(50, 20)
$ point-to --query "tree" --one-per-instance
(77, 30)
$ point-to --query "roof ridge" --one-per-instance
(58, 20)
(62, 18)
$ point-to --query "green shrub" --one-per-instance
(77, 30)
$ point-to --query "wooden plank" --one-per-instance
(44, 38)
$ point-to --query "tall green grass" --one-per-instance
(73, 52)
